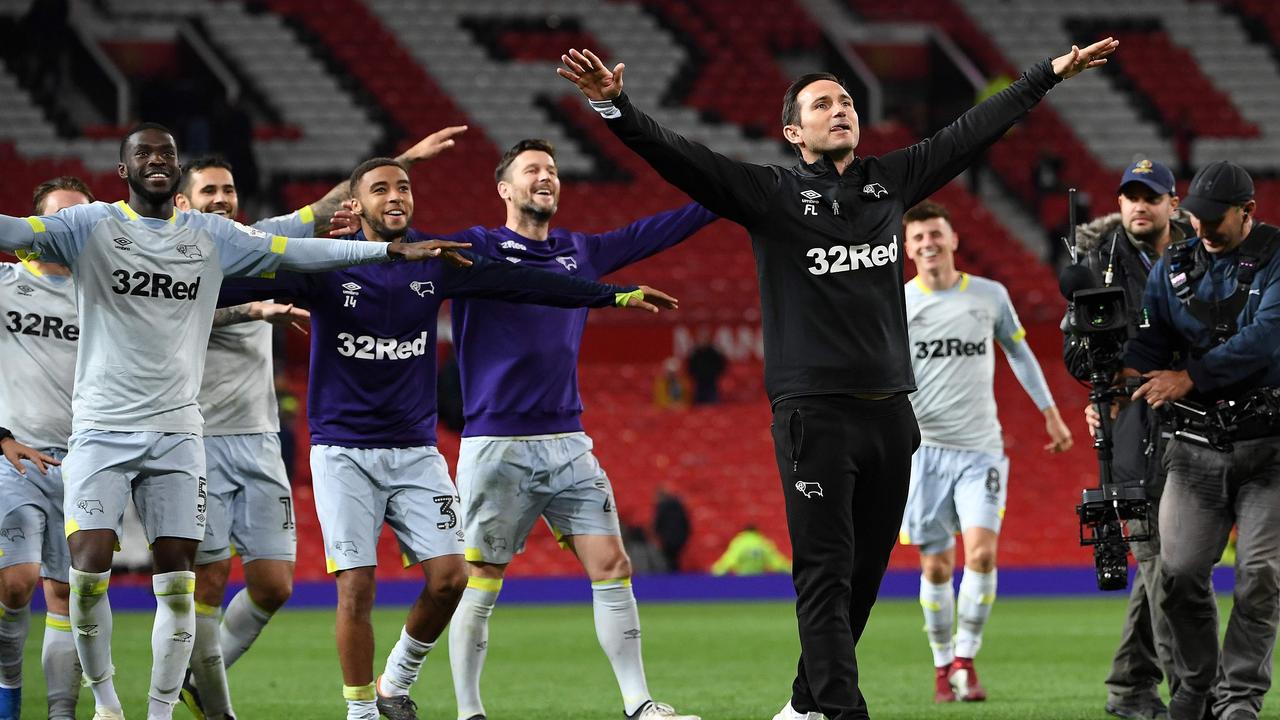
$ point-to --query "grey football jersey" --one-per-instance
(238, 391)
(952, 354)
(38, 350)
(147, 290)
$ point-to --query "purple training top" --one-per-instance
(519, 363)
(373, 337)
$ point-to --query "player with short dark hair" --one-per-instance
(373, 417)
(523, 420)
(250, 504)
(146, 280)
(826, 238)
(959, 474)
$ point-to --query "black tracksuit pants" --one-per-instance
(845, 465)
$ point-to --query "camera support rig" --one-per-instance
(1105, 510)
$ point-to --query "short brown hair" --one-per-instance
(369, 165)
(191, 167)
(523, 146)
(926, 210)
(790, 99)
(64, 182)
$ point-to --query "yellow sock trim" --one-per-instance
(485, 584)
(206, 610)
(99, 588)
(59, 625)
(307, 214)
(624, 582)
(359, 692)
(185, 587)
(930, 605)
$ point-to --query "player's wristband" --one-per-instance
(5, 434)
(621, 299)
(606, 109)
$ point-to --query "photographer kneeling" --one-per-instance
(1215, 301)
(1120, 249)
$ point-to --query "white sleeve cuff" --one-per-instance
(605, 108)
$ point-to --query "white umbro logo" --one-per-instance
(423, 287)
(512, 260)
(810, 195)
(351, 291)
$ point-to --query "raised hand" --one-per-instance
(446, 250)
(1077, 61)
(15, 452)
(344, 221)
(651, 300)
(432, 145)
(588, 72)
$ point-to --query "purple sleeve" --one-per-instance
(648, 236)
(285, 285)
(498, 280)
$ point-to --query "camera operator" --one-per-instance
(1216, 301)
(1120, 249)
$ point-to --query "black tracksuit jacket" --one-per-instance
(828, 247)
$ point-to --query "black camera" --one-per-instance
(1097, 327)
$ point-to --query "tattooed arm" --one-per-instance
(258, 310)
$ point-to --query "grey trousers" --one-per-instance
(1145, 654)
(1206, 493)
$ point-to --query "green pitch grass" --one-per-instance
(726, 661)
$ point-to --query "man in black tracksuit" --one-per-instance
(837, 371)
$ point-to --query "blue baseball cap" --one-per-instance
(1154, 175)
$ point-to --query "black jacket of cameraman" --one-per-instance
(1101, 245)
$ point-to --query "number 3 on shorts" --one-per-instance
(446, 510)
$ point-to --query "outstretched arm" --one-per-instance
(488, 278)
(736, 190)
(247, 252)
(16, 234)
(264, 310)
(649, 236)
(925, 167)
(54, 238)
